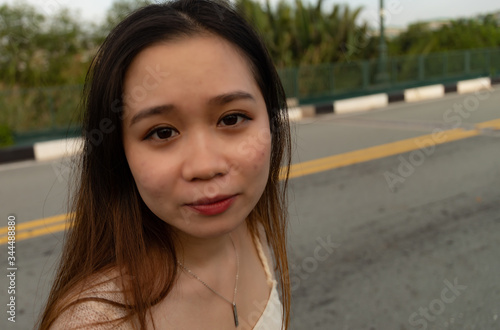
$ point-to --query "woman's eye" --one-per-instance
(234, 119)
(162, 133)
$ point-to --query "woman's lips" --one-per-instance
(213, 206)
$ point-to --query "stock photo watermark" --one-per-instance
(437, 307)
(273, 307)
(323, 250)
(454, 117)
(139, 93)
(251, 148)
(11, 268)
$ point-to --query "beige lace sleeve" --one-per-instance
(89, 313)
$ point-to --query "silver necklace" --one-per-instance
(233, 303)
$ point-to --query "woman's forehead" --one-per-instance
(193, 67)
(181, 54)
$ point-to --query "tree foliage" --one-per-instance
(305, 33)
(40, 50)
(456, 35)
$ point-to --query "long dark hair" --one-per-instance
(112, 227)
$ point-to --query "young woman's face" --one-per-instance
(196, 134)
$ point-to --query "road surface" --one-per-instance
(405, 237)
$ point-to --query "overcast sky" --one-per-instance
(400, 12)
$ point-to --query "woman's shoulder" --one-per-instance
(97, 303)
(91, 314)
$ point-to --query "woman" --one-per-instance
(179, 208)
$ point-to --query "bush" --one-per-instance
(6, 137)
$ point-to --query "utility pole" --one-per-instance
(382, 75)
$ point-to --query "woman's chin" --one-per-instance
(210, 229)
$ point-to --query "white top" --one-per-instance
(271, 318)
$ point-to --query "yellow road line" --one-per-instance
(495, 124)
(36, 232)
(384, 150)
(37, 223)
(58, 223)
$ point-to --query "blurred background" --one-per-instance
(394, 213)
(324, 50)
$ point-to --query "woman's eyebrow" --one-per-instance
(230, 97)
(216, 100)
(150, 112)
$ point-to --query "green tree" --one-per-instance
(38, 50)
(456, 35)
(304, 33)
(20, 57)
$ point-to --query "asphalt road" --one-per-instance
(408, 241)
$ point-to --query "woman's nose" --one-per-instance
(204, 158)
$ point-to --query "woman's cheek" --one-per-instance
(262, 147)
(255, 146)
(257, 160)
(149, 180)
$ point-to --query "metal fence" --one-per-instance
(45, 113)
(326, 82)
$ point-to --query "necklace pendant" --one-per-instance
(235, 314)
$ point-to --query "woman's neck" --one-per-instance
(211, 252)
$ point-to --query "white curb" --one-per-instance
(473, 85)
(57, 149)
(424, 93)
(362, 103)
